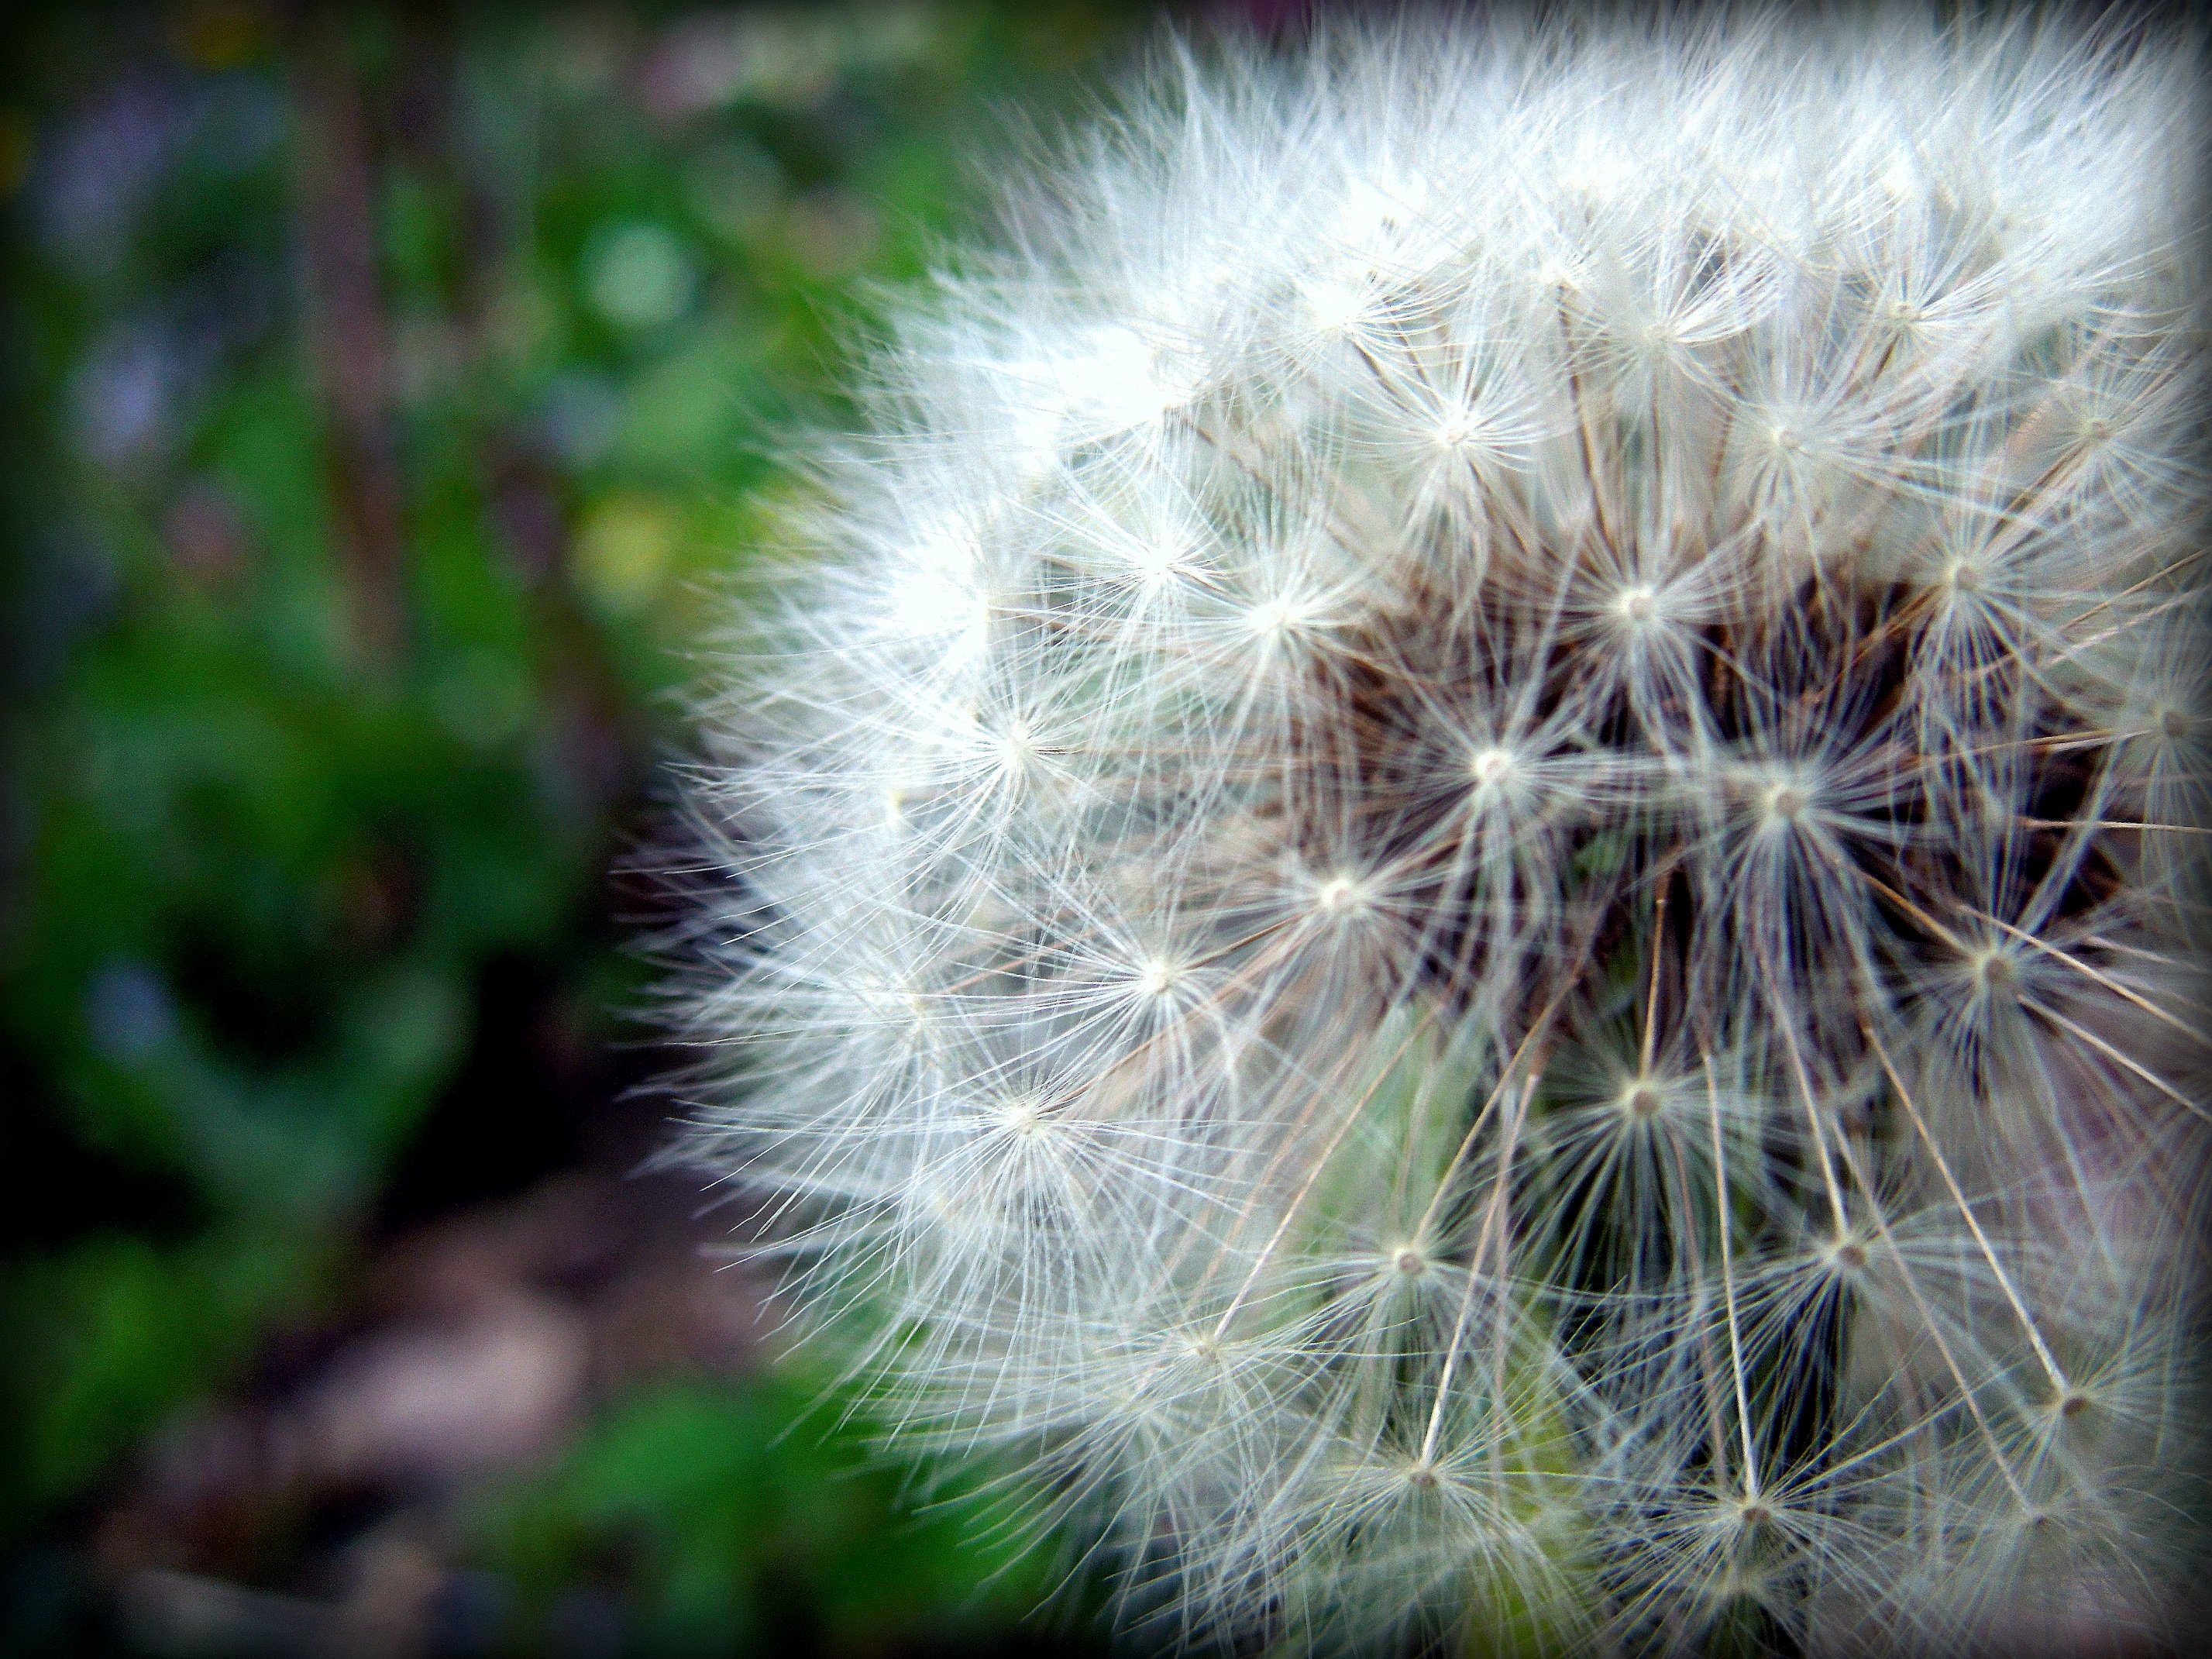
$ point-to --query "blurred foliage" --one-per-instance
(743, 1536)
(383, 390)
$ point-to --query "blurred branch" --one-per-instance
(348, 341)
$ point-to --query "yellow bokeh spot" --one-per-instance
(623, 552)
(220, 34)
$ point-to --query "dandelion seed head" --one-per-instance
(1470, 877)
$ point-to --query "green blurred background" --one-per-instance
(383, 392)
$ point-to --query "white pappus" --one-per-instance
(1464, 866)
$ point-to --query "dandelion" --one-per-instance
(1471, 876)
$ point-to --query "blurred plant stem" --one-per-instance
(347, 339)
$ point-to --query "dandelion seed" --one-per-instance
(1491, 767)
(1157, 978)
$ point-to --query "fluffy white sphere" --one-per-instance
(1468, 871)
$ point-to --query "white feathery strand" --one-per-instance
(2061, 1388)
(1724, 1225)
